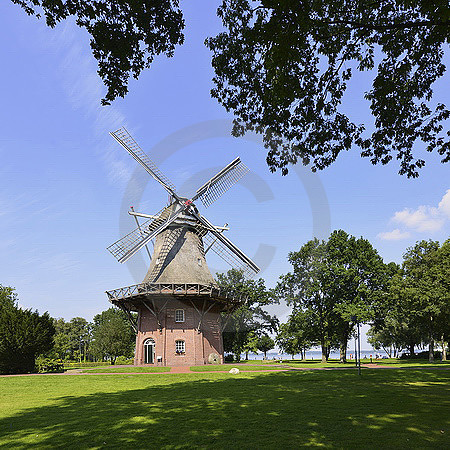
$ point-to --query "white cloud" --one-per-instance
(394, 235)
(444, 204)
(424, 218)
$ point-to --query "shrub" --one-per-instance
(48, 365)
(124, 360)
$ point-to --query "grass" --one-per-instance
(405, 363)
(380, 409)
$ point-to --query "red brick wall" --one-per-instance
(198, 345)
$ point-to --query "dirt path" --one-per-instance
(186, 369)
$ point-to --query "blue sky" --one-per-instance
(65, 185)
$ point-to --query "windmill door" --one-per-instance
(149, 351)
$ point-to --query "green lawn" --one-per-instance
(381, 409)
(404, 363)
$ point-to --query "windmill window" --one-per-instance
(180, 347)
(179, 315)
(199, 262)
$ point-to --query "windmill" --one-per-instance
(179, 304)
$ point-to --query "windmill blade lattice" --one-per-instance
(126, 247)
(220, 183)
(224, 248)
(132, 147)
(211, 241)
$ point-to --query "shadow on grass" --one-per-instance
(289, 409)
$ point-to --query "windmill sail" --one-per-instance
(132, 147)
(224, 248)
(228, 256)
(221, 182)
(126, 247)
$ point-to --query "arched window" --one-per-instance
(149, 351)
(180, 347)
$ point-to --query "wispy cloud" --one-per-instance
(424, 219)
(394, 235)
(84, 89)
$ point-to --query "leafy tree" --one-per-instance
(283, 67)
(295, 336)
(248, 318)
(61, 348)
(113, 336)
(306, 289)
(79, 332)
(334, 281)
(265, 343)
(24, 334)
(72, 339)
(427, 287)
(125, 35)
(251, 344)
(357, 277)
(395, 320)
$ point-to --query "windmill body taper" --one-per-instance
(179, 305)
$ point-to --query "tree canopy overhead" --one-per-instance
(125, 35)
(282, 68)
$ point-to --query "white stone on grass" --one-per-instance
(234, 371)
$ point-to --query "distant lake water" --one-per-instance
(310, 355)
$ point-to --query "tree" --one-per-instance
(79, 333)
(125, 35)
(250, 317)
(24, 334)
(112, 335)
(251, 344)
(306, 289)
(61, 348)
(295, 336)
(426, 268)
(333, 282)
(395, 322)
(265, 343)
(282, 68)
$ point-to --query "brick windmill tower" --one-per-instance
(179, 304)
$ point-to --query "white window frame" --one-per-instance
(178, 319)
(180, 346)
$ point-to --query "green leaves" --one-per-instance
(283, 68)
(24, 334)
(112, 335)
(248, 321)
(330, 283)
(125, 35)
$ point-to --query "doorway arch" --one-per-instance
(149, 351)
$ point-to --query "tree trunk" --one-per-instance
(265, 355)
(431, 350)
(246, 355)
(411, 350)
(343, 352)
(324, 353)
(444, 350)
